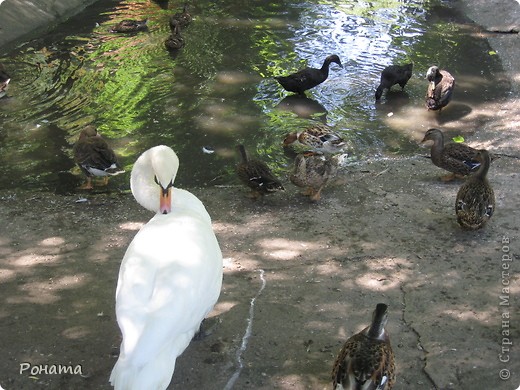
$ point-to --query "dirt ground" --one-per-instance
(299, 278)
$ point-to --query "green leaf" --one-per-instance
(492, 53)
(458, 139)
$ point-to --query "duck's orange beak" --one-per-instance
(165, 205)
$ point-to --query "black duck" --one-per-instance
(475, 202)
(440, 88)
(307, 78)
(130, 26)
(95, 157)
(256, 175)
(392, 75)
(366, 360)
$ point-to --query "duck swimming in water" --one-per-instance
(130, 26)
(4, 81)
(181, 18)
(307, 78)
(175, 41)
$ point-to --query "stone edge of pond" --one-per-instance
(22, 19)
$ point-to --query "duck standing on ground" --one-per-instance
(256, 175)
(181, 18)
(175, 41)
(440, 88)
(170, 277)
(475, 202)
(4, 81)
(318, 137)
(457, 158)
(394, 74)
(366, 360)
(130, 26)
(95, 157)
(307, 78)
(313, 172)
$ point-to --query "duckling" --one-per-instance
(175, 41)
(4, 81)
(313, 172)
(307, 78)
(366, 360)
(394, 74)
(256, 175)
(457, 158)
(318, 137)
(440, 88)
(95, 157)
(130, 26)
(182, 18)
(475, 202)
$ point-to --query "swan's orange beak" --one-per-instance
(165, 205)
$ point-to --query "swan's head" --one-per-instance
(152, 178)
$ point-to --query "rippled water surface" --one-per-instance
(219, 89)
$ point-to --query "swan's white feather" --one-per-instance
(170, 279)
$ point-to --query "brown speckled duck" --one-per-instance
(256, 175)
(392, 75)
(440, 88)
(457, 158)
(313, 172)
(4, 81)
(307, 78)
(366, 360)
(317, 137)
(475, 202)
(130, 26)
(175, 41)
(182, 18)
(95, 157)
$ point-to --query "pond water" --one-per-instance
(219, 90)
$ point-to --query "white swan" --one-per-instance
(170, 277)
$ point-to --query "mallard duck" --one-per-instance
(313, 172)
(440, 88)
(175, 41)
(182, 18)
(457, 158)
(256, 175)
(475, 202)
(4, 81)
(170, 276)
(130, 26)
(307, 78)
(394, 74)
(318, 137)
(366, 360)
(95, 157)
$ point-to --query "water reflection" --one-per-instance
(303, 107)
(219, 90)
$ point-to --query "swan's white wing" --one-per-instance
(169, 280)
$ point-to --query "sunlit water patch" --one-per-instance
(219, 89)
